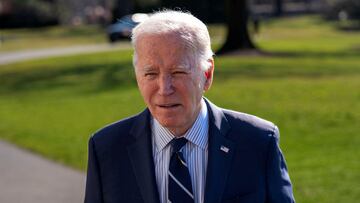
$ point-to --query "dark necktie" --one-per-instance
(180, 189)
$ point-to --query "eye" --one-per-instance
(179, 72)
(150, 74)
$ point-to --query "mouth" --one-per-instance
(168, 106)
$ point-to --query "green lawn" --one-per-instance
(310, 88)
(22, 39)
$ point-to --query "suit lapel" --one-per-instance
(220, 153)
(140, 153)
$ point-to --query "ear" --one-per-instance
(209, 75)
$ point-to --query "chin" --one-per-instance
(169, 123)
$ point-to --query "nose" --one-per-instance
(165, 85)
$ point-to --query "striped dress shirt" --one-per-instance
(195, 154)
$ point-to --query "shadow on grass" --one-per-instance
(258, 71)
(354, 51)
(117, 75)
(98, 76)
(309, 64)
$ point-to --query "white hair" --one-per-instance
(191, 30)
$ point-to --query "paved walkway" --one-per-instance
(25, 177)
(11, 57)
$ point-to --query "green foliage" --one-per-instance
(309, 86)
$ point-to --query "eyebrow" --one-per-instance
(182, 66)
(147, 68)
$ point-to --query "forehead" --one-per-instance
(155, 39)
(162, 48)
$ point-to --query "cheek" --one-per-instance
(191, 92)
(192, 87)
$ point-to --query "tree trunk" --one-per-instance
(122, 8)
(278, 11)
(238, 37)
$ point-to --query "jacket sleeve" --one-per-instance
(93, 191)
(279, 189)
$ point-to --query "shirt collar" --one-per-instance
(197, 134)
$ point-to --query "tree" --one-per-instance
(121, 8)
(27, 13)
(198, 8)
(238, 37)
(278, 9)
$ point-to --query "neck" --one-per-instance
(178, 132)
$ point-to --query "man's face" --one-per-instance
(169, 81)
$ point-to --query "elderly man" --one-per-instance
(183, 148)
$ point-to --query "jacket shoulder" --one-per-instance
(251, 125)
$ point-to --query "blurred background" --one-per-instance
(66, 71)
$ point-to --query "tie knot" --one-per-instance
(178, 143)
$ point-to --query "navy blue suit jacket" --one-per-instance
(121, 167)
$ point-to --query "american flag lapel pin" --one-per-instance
(224, 149)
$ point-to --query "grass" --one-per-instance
(310, 89)
(22, 39)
